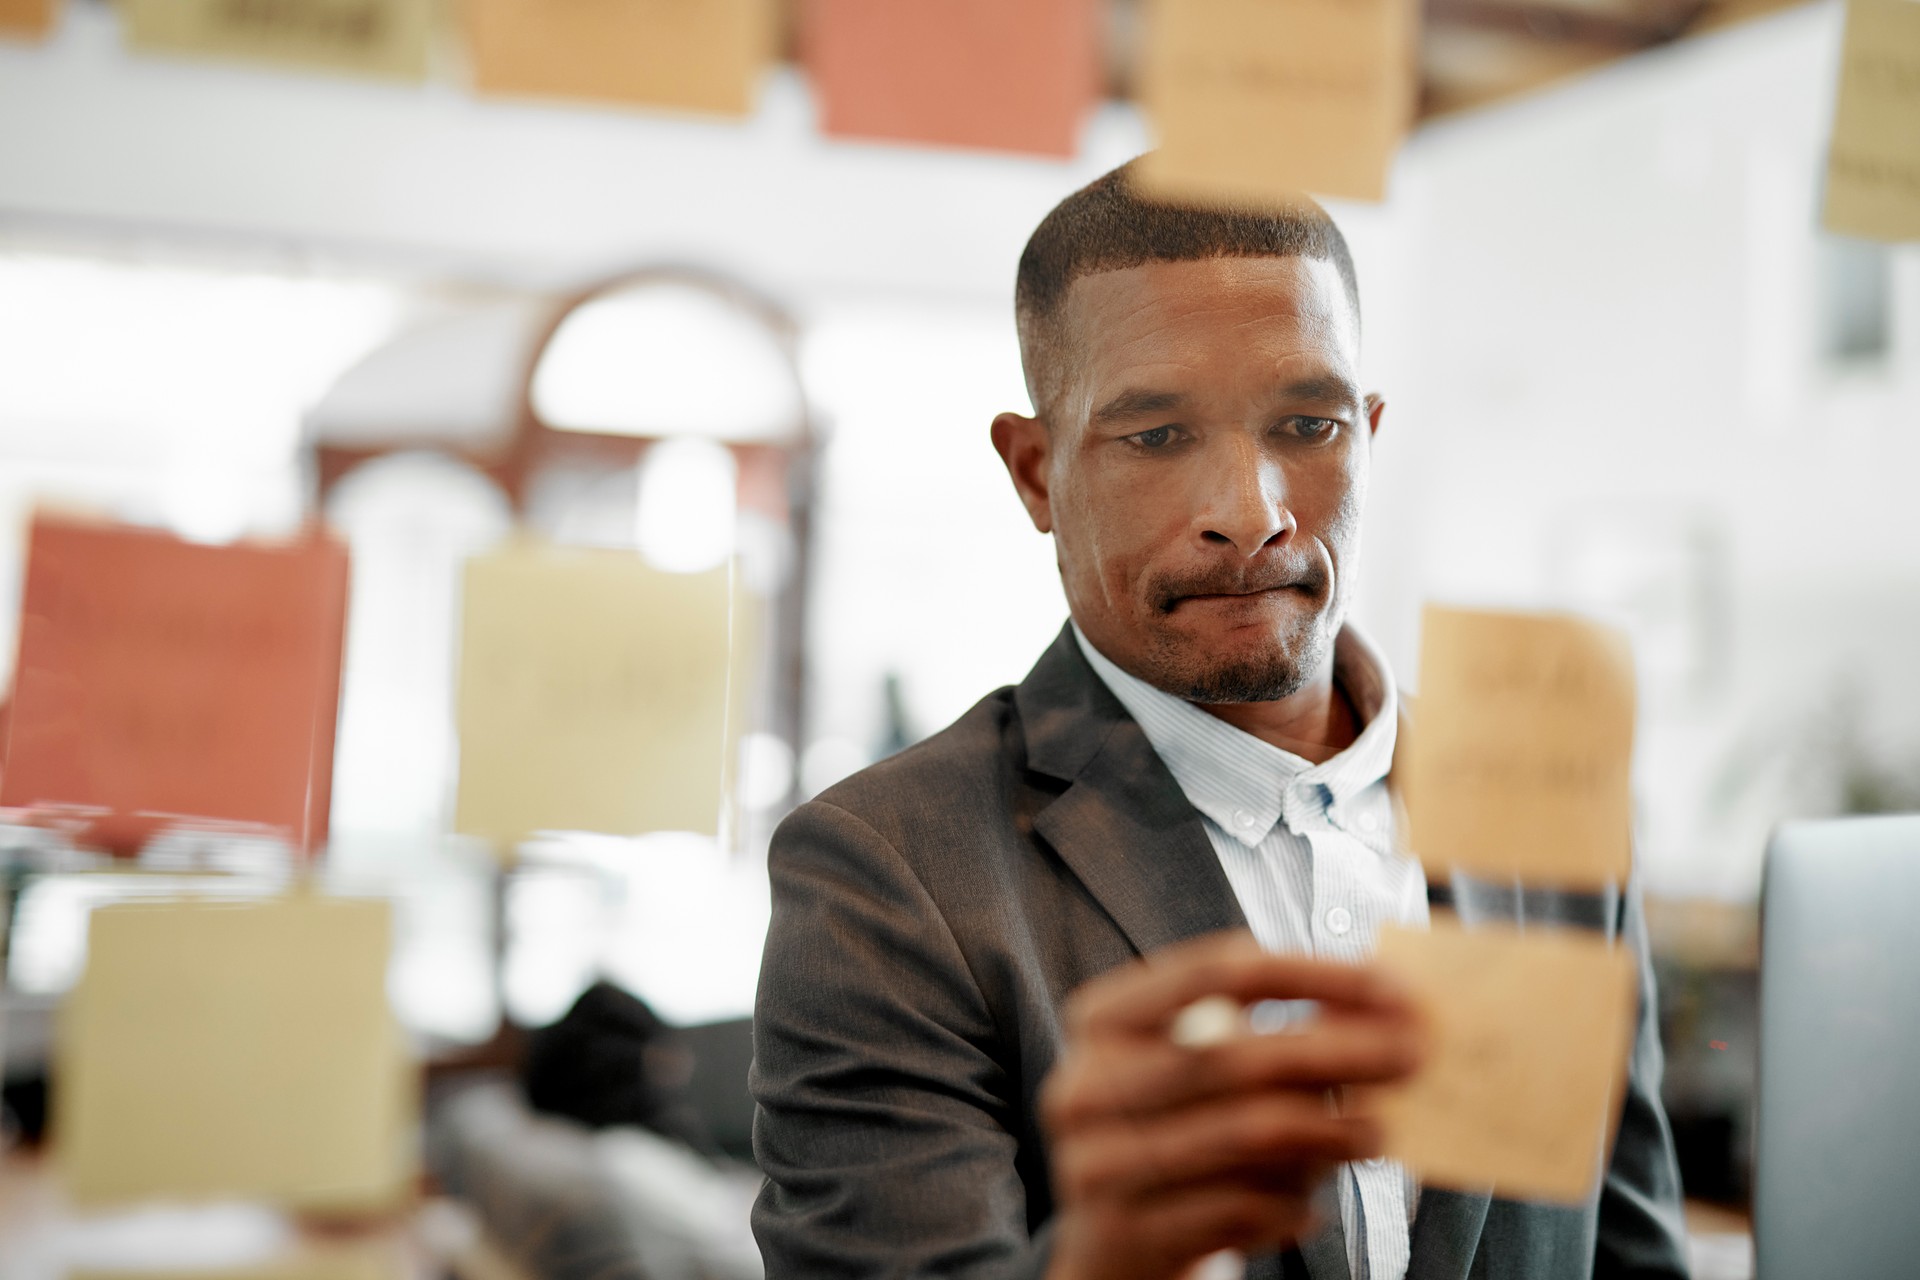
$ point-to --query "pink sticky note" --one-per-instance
(1010, 75)
(161, 681)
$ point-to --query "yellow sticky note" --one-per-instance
(1521, 747)
(387, 38)
(27, 17)
(700, 55)
(221, 1049)
(595, 693)
(1529, 1035)
(1255, 101)
(1873, 162)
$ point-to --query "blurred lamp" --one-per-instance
(684, 519)
(453, 383)
(665, 358)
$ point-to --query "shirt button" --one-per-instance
(1339, 920)
(1243, 819)
(1368, 822)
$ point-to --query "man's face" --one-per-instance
(1205, 469)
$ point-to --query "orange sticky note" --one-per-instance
(1527, 1049)
(1520, 750)
(1011, 75)
(32, 18)
(159, 681)
(699, 55)
(1255, 101)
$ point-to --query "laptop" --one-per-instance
(1837, 1155)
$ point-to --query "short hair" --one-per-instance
(1108, 226)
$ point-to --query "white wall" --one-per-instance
(1608, 311)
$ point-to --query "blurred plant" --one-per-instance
(1867, 776)
(1820, 763)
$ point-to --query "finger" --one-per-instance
(1283, 1141)
(1154, 1075)
(1144, 998)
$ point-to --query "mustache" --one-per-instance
(1169, 590)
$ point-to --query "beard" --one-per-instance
(1276, 666)
(1275, 670)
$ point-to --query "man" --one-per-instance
(963, 1066)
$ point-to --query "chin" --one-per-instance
(1240, 664)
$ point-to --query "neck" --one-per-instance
(1316, 723)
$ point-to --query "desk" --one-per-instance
(43, 1238)
(1719, 1242)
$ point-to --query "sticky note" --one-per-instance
(221, 1049)
(1013, 75)
(597, 693)
(1873, 161)
(1521, 742)
(698, 55)
(162, 681)
(1528, 1040)
(1255, 101)
(27, 17)
(388, 38)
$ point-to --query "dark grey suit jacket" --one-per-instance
(930, 916)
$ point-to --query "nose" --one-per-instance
(1245, 505)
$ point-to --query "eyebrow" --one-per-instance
(1141, 403)
(1138, 404)
(1322, 387)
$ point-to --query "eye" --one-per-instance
(1153, 437)
(1313, 430)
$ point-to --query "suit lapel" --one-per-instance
(1326, 1254)
(1446, 1233)
(1122, 825)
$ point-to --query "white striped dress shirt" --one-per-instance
(1309, 852)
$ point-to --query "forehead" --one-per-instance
(1212, 309)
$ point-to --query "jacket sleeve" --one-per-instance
(883, 1121)
(1642, 1231)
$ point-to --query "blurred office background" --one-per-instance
(1627, 373)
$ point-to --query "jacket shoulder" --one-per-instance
(967, 769)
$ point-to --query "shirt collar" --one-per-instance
(1242, 782)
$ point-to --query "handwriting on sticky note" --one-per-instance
(1255, 101)
(373, 37)
(1520, 748)
(222, 1049)
(1528, 1041)
(698, 55)
(1873, 162)
(596, 694)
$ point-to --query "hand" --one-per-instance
(1163, 1154)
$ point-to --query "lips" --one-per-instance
(1222, 596)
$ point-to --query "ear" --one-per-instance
(1375, 407)
(1026, 447)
